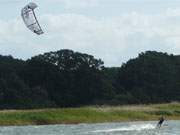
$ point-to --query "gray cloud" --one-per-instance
(114, 39)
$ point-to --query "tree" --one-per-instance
(150, 78)
(71, 78)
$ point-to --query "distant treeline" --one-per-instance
(69, 79)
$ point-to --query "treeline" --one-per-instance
(69, 79)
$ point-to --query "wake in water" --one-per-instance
(127, 128)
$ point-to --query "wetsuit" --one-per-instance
(161, 120)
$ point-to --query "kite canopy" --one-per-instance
(30, 19)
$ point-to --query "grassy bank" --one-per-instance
(94, 114)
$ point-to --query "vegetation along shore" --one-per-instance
(66, 78)
(77, 85)
(91, 114)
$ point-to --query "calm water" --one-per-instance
(131, 128)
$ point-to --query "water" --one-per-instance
(128, 128)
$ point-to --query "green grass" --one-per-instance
(91, 114)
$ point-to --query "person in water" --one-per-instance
(161, 120)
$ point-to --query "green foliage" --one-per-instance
(87, 115)
(153, 77)
(55, 79)
(69, 79)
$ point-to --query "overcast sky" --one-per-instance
(113, 30)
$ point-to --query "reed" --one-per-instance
(90, 114)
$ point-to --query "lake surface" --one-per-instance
(128, 128)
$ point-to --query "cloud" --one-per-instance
(114, 39)
(68, 4)
(173, 12)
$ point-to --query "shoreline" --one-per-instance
(90, 114)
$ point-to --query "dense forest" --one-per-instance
(69, 79)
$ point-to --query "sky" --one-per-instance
(112, 30)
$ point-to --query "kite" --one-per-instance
(29, 18)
